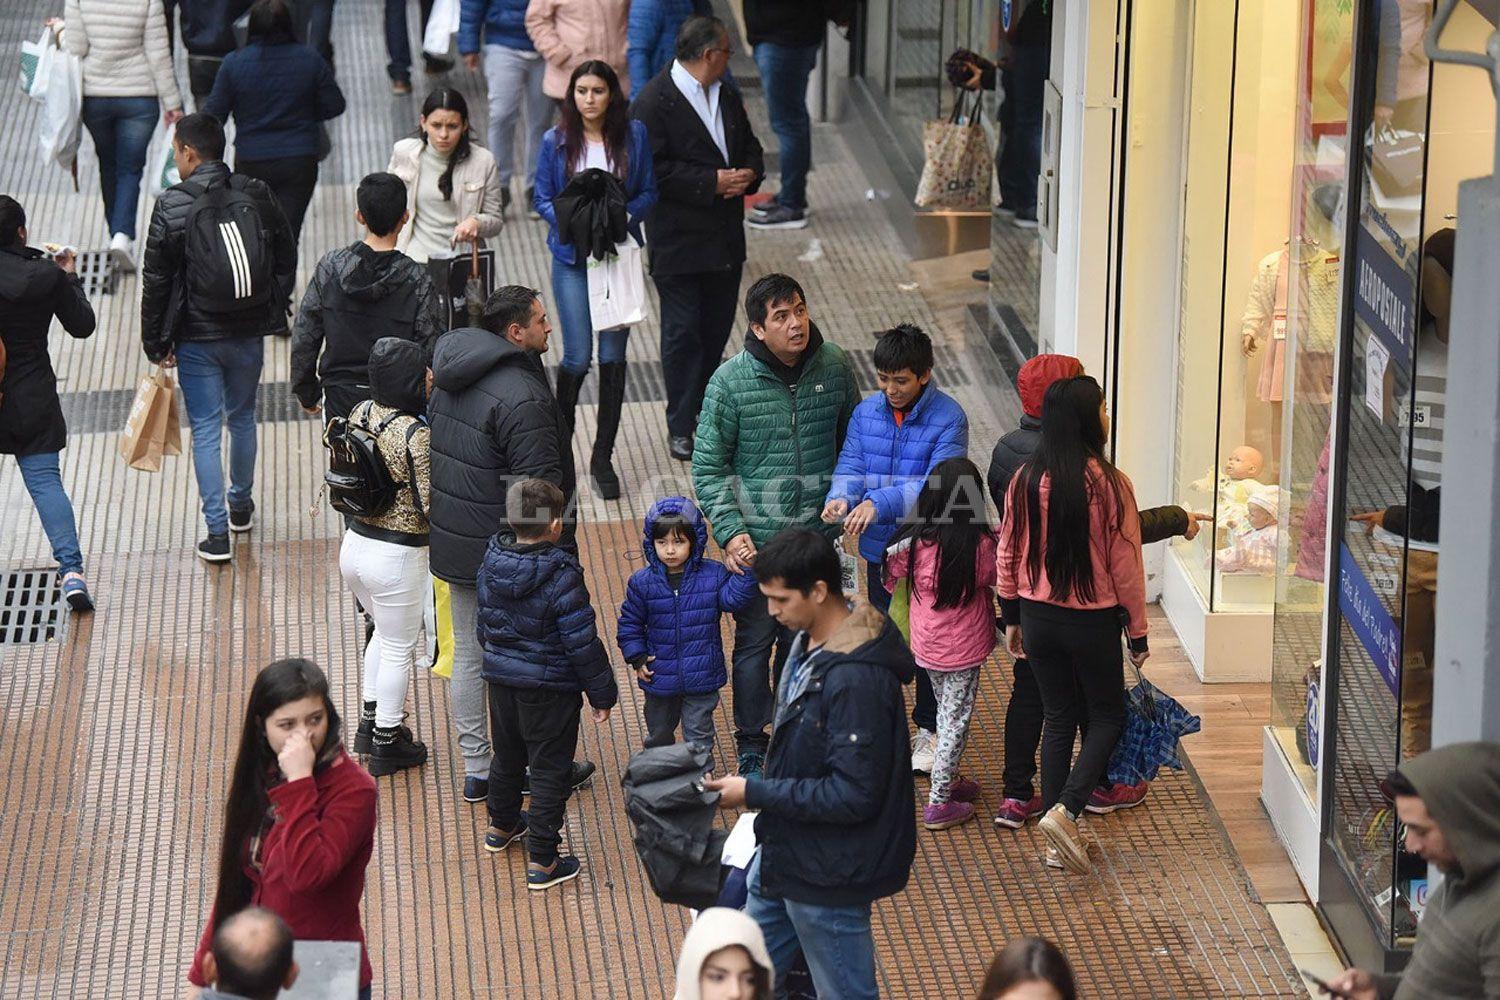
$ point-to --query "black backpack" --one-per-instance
(359, 482)
(228, 264)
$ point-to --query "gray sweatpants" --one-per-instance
(468, 699)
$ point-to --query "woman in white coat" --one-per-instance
(452, 185)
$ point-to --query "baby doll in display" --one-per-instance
(1235, 485)
(1252, 548)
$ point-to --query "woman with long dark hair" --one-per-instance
(947, 556)
(452, 183)
(299, 825)
(1029, 969)
(1070, 573)
(596, 133)
(280, 92)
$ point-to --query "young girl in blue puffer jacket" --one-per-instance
(669, 624)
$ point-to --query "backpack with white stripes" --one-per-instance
(227, 259)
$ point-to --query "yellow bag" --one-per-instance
(442, 664)
(154, 427)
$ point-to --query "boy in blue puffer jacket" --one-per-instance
(895, 438)
(669, 624)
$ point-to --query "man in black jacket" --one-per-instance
(216, 342)
(208, 36)
(786, 36)
(836, 826)
(494, 422)
(359, 294)
(1023, 714)
(707, 159)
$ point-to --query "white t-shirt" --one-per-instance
(594, 156)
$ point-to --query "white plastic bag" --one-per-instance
(617, 288)
(166, 175)
(442, 25)
(61, 126)
(34, 58)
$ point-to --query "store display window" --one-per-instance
(1422, 131)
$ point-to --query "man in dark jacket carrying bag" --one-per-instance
(706, 160)
(836, 827)
(494, 422)
(218, 271)
(359, 294)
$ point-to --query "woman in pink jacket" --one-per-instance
(1069, 574)
(570, 32)
(947, 556)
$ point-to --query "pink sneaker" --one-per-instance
(948, 814)
(963, 789)
(1014, 813)
(1118, 797)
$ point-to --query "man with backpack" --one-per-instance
(359, 294)
(217, 274)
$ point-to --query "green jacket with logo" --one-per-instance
(765, 449)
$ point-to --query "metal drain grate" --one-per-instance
(98, 271)
(30, 607)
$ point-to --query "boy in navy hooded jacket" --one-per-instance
(669, 629)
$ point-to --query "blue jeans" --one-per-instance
(835, 940)
(1021, 155)
(570, 287)
(784, 70)
(44, 483)
(219, 380)
(754, 683)
(121, 127)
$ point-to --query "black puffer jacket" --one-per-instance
(494, 420)
(1016, 448)
(836, 825)
(33, 289)
(357, 296)
(166, 319)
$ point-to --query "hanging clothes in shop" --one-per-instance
(591, 213)
(674, 818)
(1265, 321)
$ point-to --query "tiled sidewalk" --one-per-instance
(116, 736)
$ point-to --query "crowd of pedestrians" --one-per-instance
(452, 462)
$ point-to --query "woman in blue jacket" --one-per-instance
(280, 92)
(669, 624)
(596, 132)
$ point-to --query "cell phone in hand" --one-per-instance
(1320, 984)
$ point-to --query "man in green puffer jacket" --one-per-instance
(768, 437)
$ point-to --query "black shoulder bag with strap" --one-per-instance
(358, 480)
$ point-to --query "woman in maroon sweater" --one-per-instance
(300, 823)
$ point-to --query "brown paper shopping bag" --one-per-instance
(153, 428)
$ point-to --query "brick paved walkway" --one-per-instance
(115, 736)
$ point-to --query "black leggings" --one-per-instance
(1077, 660)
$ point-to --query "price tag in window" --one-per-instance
(1377, 363)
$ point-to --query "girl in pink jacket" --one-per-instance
(947, 557)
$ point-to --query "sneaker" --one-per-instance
(1014, 813)
(981, 275)
(1061, 831)
(76, 592)
(1117, 797)
(242, 518)
(923, 750)
(122, 252)
(366, 731)
(779, 217)
(476, 789)
(215, 549)
(681, 447)
(762, 207)
(561, 870)
(401, 88)
(950, 813)
(750, 763)
(1052, 859)
(581, 776)
(436, 65)
(1024, 220)
(963, 789)
(393, 749)
(497, 840)
(1005, 211)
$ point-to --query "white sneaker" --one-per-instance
(122, 252)
(923, 751)
(1052, 859)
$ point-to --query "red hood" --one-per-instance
(1039, 373)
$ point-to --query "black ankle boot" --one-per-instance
(366, 731)
(568, 385)
(395, 750)
(611, 399)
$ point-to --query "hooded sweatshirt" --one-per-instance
(1458, 940)
(357, 296)
(717, 928)
(398, 399)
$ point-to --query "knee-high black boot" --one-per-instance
(611, 399)
(568, 385)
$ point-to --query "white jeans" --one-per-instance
(514, 79)
(391, 582)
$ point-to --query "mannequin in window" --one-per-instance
(1252, 546)
(1239, 481)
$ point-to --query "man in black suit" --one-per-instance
(707, 159)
